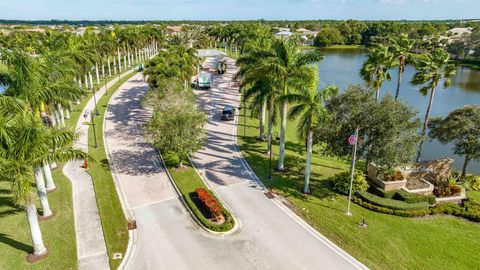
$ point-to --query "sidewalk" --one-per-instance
(91, 248)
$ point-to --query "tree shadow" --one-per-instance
(7, 201)
(5, 238)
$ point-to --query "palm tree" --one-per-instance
(290, 65)
(400, 47)
(25, 145)
(432, 68)
(249, 70)
(310, 107)
(375, 69)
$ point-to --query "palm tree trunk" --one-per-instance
(465, 166)
(42, 192)
(425, 124)
(91, 79)
(283, 130)
(86, 81)
(119, 63)
(61, 115)
(96, 73)
(35, 233)
(377, 94)
(262, 120)
(108, 63)
(103, 71)
(399, 80)
(67, 114)
(306, 188)
(50, 185)
(125, 61)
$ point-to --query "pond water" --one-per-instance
(342, 67)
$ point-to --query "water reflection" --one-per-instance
(342, 67)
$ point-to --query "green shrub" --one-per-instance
(408, 197)
(447, 208)
(382, 193)
(473, 182)
(341, 182)
(391, 204)
(380, 209)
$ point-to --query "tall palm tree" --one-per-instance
(432, 68)
(400, 47)
(291, 66)
(25, 145)
(309, 105)
(375, 69)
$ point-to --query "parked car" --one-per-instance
(228, 112)
(221, 66)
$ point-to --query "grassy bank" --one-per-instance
(114, 223)
(58, 233)
(187, 180)
(439, 242)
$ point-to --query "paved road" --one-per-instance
(269, 237)
(91, 249)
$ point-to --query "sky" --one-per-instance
(239, 9)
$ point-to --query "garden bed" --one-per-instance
(187, 181)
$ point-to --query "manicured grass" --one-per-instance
(58, 233)
(389, 242)
(114, 223)
(187, 180)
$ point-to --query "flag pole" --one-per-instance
(352, 169)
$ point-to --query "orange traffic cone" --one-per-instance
(85, 164)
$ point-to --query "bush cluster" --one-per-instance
(390, 203)
(380, 209)
(382, 193)
(210, 203)
(408, 197)
(473, 182)
(446, 190)
(341, 182)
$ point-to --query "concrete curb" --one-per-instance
(99, 94)
(133, 237)
(357, 264)
(187, 207)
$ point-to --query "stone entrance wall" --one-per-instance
(434, 171)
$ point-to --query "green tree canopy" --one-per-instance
(462, 127)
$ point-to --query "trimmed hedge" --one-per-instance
(407, 197)
(382, 193)
(391, 204)
(384, 210)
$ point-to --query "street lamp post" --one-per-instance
(274, 134)
(95, 100)
(92, 117)
(353, 140)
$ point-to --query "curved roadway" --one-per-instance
(270, 235)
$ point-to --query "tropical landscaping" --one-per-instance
(349, 160)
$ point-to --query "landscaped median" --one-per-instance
(188, 182)
(113, 220)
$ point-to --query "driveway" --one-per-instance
(168, 238)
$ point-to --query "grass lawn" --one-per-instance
(114, 223)
(389, 242)
(187, 180)
(58, 233)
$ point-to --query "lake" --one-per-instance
(342, 67)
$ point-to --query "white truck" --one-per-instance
(204, 80)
